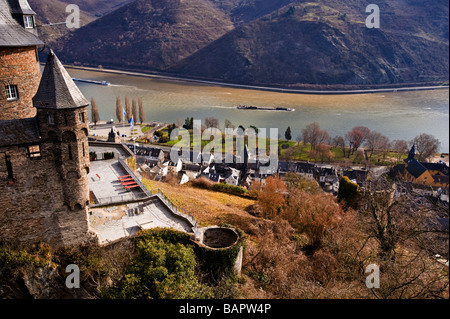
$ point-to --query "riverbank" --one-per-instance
(263, 88)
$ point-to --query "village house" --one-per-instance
(419, 173)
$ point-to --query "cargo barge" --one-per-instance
(259, 108)
(93, 82)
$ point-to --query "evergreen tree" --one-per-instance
(288, 134)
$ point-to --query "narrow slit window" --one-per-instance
(70, 152)
(51, 119)
(9, 167)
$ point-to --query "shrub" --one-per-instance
(348, 191)
(203, 183)
(163, 268)
(36, 256)
(230, 189)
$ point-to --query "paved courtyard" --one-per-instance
(113, 223)
(104, 181)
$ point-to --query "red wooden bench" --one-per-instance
(133, 186)
(129, 183)
(124, 176)
(126, 180)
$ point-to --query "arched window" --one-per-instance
(85, 131)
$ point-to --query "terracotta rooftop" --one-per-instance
(57, 89)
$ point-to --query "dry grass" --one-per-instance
(208, 207)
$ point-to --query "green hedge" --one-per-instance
(230, 189)
(168, 235)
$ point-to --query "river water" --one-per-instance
(400, 115)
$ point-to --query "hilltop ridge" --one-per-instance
(153, 34)
(294, 44)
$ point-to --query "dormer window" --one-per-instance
(28, 22)
(11, 93)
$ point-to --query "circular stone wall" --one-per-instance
(220, 237)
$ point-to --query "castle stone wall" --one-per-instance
(32, 205)
(18, 66)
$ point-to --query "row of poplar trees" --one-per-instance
(131, 109)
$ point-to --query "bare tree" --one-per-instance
(211, 122)
(228, 124)
(400, 147)
(134, 110)
(426, 146)
(372, 142)
(95, 115)
(356, 138)
(384, 146)
(339, 142)
(407, 239)
(324, 151)
(128, 108)
(313, 135)
(141, 110)
(299, 139)
(119, 109)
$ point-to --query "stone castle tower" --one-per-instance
(44, 152)
(19, 64)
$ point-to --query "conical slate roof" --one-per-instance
(57, 89)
